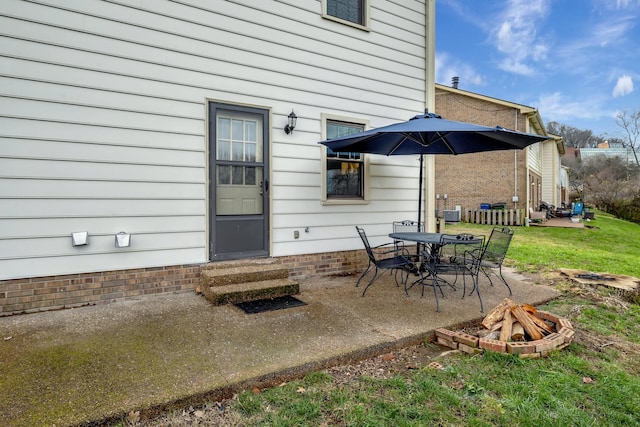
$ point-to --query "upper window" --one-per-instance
(344, 172)
(354, 12)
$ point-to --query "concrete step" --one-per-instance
(250, 291)
(231, 282)
(240, 273)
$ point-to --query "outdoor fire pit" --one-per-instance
(513, 328)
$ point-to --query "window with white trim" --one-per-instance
(344, 173)
(353, 12)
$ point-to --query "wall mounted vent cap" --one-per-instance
(123, 240)
(79, 238)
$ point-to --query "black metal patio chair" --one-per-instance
(489, 259)
(406, 226)
(384, 257)
(451, 254)
(446, 258)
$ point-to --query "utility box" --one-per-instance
(451, 216)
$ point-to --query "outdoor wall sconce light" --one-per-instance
(79, 238)
(291, 124)
(123, 240)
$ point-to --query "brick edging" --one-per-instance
(524, 349)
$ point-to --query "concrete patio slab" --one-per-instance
(94, 363)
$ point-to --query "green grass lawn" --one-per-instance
(593, 382)
(607, 244)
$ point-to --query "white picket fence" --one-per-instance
(495, 216)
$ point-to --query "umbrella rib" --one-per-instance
(395, 147)
(441, 136)
(449, 146)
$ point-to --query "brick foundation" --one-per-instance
(35, 294)
(30, 295)
(325, 264)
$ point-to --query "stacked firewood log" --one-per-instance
(510, 321)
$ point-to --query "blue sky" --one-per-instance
(576, 61)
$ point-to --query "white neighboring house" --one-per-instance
(165, 120)
(553, 180)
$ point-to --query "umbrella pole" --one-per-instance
(420, 201)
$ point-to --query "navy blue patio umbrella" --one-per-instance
(431, 134)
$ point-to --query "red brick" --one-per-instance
(520, 348)
(567, 334)
(564, 323)
(493, 345)
(466, 339)
(445, 334)
(469, 349)
(545, 315)
(46, 291)
(555, 338)
(447, 343)
(17, 294)
(544, 345)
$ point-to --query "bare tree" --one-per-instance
(574, 137)
(608, 182)
(630, 125)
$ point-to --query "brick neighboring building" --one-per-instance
(469, 180)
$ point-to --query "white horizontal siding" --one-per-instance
(550, 173)
(534, 157)
(46, 130)
(39, 226)
(54, 169)
(160, 50)
(122, 259)
(70, 93)
(99, 153)
(100, 243)
(85, 189)
(381, 219)
(47, 208)
(103, 122)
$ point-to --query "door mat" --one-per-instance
(269, 304)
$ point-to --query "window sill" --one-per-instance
(347, 23)
(344, 202)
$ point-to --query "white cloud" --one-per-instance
(448, 67)
(626, 4)
(516, 35)
(624, 86)
(611, 30)
(615, 5)
(516, 66)
(557, 107)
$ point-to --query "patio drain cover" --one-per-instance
(270, 304)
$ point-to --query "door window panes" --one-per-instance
(239, 186)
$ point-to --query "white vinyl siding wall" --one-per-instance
(103, 122)
(534, 157)
(550, 173)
